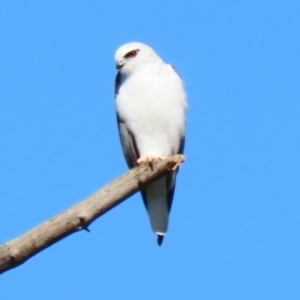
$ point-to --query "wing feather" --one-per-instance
(128, 142)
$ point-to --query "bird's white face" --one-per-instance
(131, 56)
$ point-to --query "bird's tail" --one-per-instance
(156, 200)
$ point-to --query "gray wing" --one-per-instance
(128, 143)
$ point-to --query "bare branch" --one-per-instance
(79, 217)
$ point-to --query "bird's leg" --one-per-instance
(141, 160)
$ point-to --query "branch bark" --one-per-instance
(80, 216)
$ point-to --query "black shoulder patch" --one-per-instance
(117, 83)
(175, 70)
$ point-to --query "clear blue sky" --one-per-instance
(234, 228)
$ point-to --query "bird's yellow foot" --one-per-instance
(150, 159)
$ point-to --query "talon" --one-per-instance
(157, 158)
(141, 160)
(150, 159)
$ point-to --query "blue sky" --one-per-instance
(234, 228)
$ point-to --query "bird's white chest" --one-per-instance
(148, 97)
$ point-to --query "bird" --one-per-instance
(151, 104)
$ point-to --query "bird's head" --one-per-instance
(132, 56)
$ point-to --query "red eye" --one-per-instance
(131, 54)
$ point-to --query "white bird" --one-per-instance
(150, 104)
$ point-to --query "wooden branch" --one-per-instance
(79, 217)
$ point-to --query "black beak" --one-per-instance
(119, 66)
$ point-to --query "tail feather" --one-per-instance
(160, 239)
(157, 197)
(156, 201)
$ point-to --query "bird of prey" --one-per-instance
(151, 104)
